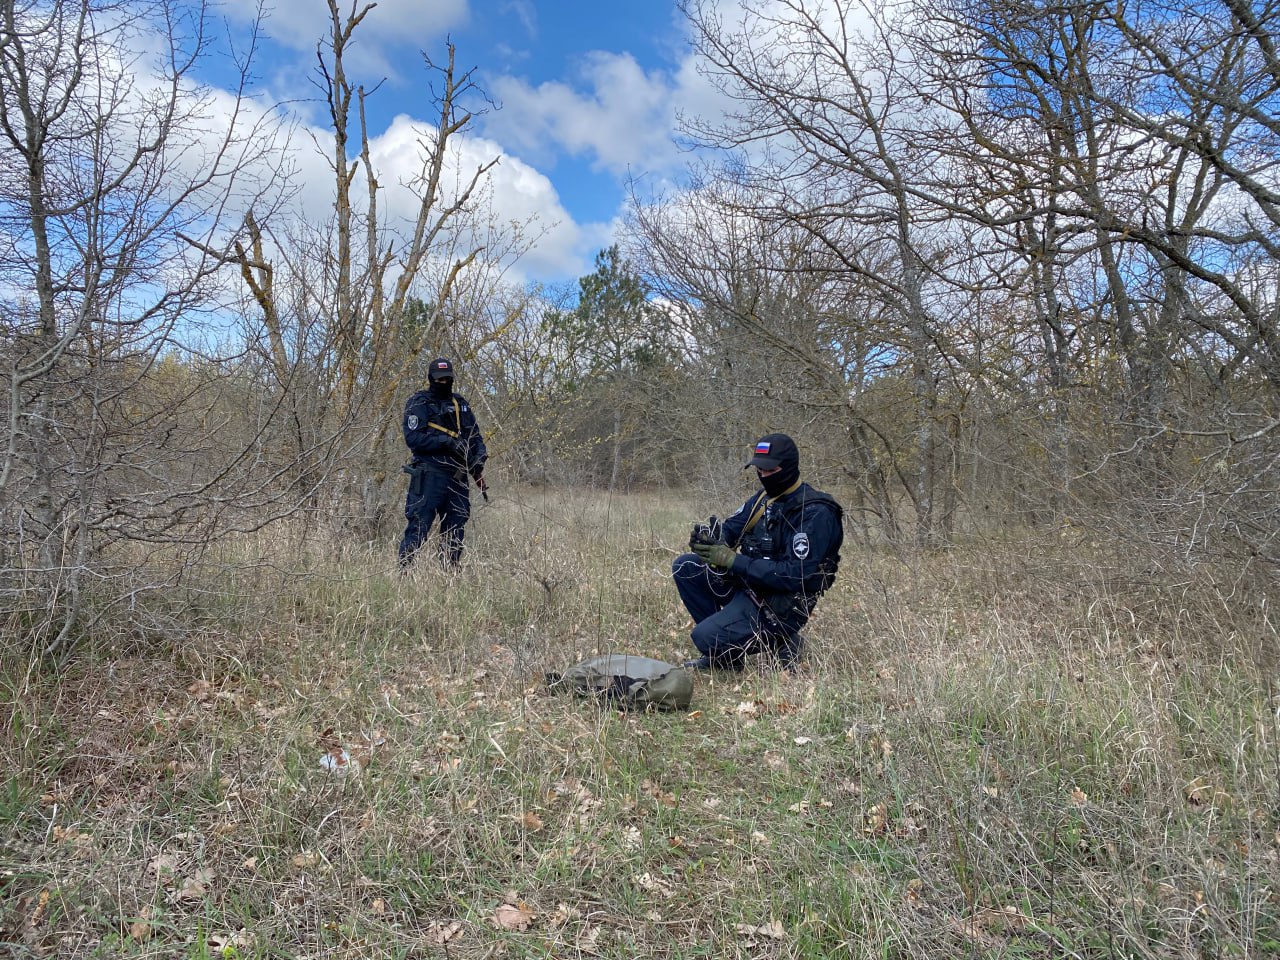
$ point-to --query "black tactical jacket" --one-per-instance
(431, 424)
(793, 548)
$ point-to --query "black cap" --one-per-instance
(774, 450)
(441, 369)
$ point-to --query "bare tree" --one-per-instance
(1134, 146)
(1055, 222)
(782, 344)
(826, 136)
(350, 283)
(119, 172)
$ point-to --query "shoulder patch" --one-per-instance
(800, 545)
(412, 421)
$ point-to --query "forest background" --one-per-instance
(1008, 273)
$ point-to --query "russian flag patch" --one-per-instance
(763, 446)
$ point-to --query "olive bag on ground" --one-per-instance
(628, 681)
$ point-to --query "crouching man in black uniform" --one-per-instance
(441, 433)
(756, 598)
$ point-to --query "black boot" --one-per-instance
(707, 662)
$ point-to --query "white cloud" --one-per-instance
(300, 23)
(516, 193)
(514, 198)
(623, 118)
(385, 44)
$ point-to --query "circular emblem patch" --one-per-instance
(800, 545)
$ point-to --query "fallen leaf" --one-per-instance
(532, 822)
(442, 933)
(329, 739)
(662, 796)
(363, 749)
(1079, 797)
(803, 741)
(877, 819)
(41, 907)
(772, 930)
(140, 929)
(193, 887)
(230, 944)
(563, 914)
(775, 761)
(306, 858)
(647, 881)
(587, 942)
(164, 866)
(513, 917)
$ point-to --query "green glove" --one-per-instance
(716, 554)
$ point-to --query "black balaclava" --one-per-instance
(777, 450)
(777, 483)
(442, 389)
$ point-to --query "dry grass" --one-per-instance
(1015, 750)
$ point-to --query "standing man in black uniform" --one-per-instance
(441, 433)
(756, 598)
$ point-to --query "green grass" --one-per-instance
(983, 756)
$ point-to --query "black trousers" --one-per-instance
(727, 623)
(436, 492)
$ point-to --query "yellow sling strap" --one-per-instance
(457, 416)
(761, 505)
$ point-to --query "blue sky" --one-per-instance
(587, 93)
